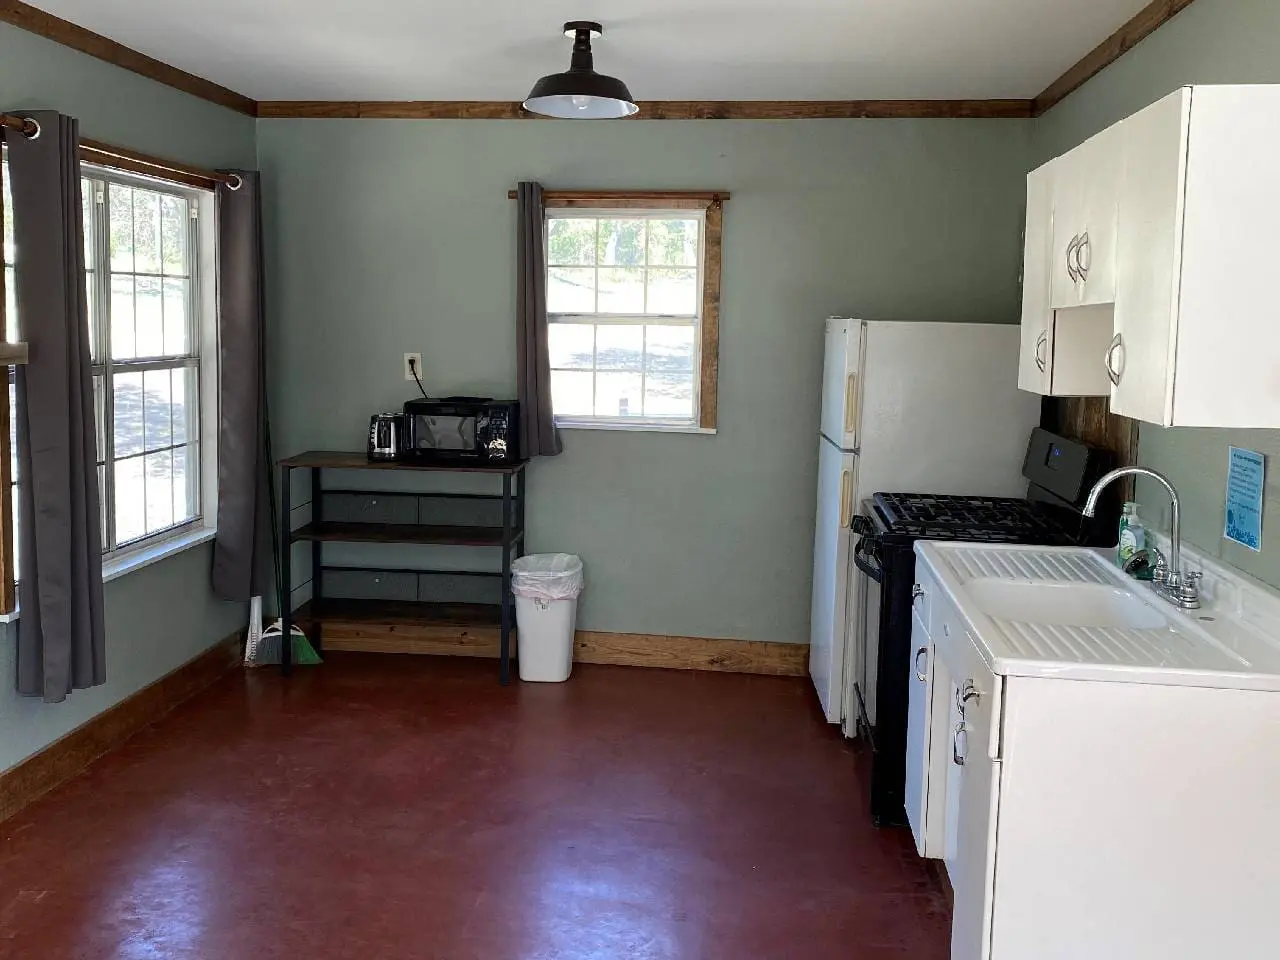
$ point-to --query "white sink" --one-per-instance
(1063, 604)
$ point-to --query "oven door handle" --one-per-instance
(863, 561)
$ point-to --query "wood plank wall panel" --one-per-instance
(1144, 23)
(69, 34)
(67, 756)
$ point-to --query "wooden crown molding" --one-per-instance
(1144, 23)
(653, 109)
(71, 35)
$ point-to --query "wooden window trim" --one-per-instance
(712, 203)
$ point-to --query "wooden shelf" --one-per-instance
(404, 533)
(339, 460)
(332, 610)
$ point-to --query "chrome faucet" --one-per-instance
(1170, 583)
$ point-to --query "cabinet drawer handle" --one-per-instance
(920, 674)
(1041, 342)
(1071, 259)
(1117, 343)
(1085, 245)
(959, 745)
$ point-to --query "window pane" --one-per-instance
(122, 343)
(159, 469)
(131, 504)
(618, 395)
(10, 306)
(87, 206)
(157, 411)
(621, 290)
(184, 404)
(668, 395)
(146, 231)
(668, 349)
(673, 242)
(619, 347)
(175, 317)
(571, 393)
(571, 344)
(621, 242)
(571, 290)
(673, 291)
(571, 242)
(184, 483)
(128, 434)
(148, 329)
(120, 204)
(175, 219)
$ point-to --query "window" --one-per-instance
(148, 245)
(633, 314)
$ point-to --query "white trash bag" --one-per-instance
(546, 587)
(547, 576)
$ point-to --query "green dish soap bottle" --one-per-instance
(1133, 536)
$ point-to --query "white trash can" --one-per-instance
(546, 586)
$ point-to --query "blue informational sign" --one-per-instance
(1246, 477)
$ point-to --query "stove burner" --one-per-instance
(990, 519)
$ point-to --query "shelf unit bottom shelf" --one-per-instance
(397, 626)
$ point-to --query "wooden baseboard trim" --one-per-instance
(68, 755)
(590, 646)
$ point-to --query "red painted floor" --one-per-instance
(400, 807)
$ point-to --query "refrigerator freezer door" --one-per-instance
(833, 573)
(841, 384)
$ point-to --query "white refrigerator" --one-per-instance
(906, 408)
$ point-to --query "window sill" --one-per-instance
(123, 565)
(632, 427)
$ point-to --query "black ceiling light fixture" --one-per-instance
(580, 93)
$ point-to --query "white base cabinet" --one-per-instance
(1084, 820)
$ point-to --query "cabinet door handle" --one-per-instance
(1085, 245)
(959, 745)
(1117, 343)
(969, 692)
(1071, 259)
(1041, 343)
(920, 674)
(917, 592)
(851, 403)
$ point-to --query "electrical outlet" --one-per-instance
(412, 362)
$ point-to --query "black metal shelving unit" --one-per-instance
(509, 536)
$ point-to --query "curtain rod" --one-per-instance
(95, 151)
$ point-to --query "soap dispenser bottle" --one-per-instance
(1133, 536)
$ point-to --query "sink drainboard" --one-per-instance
(1025, 565)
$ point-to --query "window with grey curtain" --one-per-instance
(538, 434)
(61, 636)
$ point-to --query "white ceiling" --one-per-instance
(663, 49)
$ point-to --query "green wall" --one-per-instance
(1212, 41)
(390, 236)
(163, 615)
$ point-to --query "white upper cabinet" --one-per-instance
(1085, 196)
(1168, 222)
(1197, 326)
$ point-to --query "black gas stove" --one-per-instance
(994, 519)
(1059, 474)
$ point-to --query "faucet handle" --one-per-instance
(1159, 569)
(1189, 590)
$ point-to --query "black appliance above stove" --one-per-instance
(1060, 472)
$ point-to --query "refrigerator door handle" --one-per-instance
(846, 499)
(851, 403)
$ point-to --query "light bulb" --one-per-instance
(580, 102)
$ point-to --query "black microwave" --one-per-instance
(462, 430)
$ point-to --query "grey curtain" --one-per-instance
(538, 434)
(61, 637)
(242, 548)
